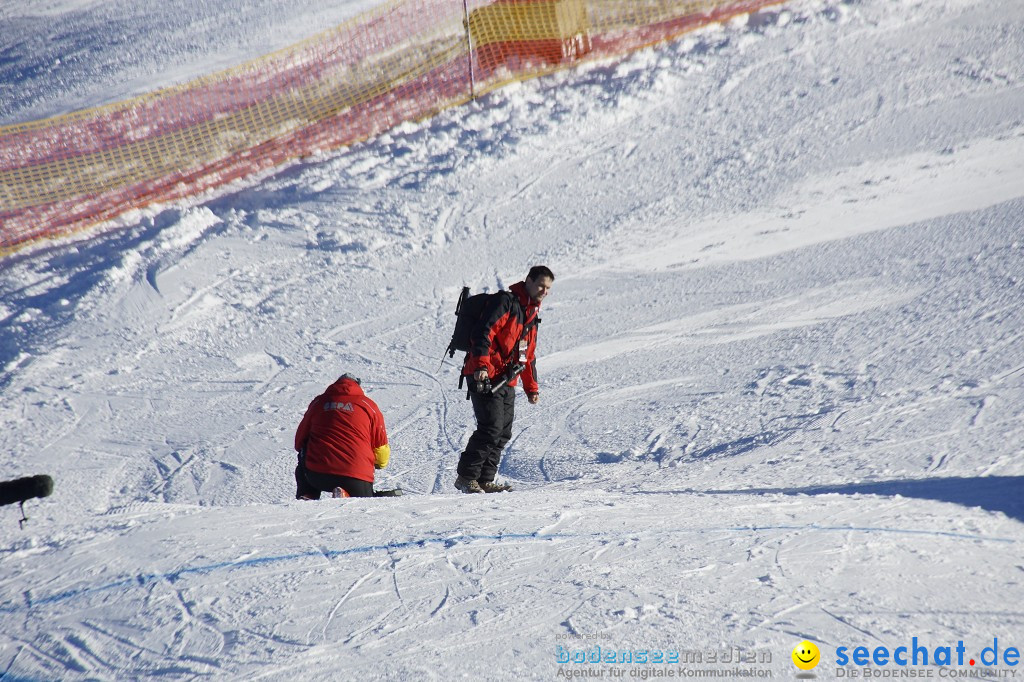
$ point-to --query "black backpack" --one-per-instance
(468, 312)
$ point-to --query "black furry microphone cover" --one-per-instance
(22, 489)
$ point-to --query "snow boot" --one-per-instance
(467, 485)
(492, 487)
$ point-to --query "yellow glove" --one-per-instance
(382, 455)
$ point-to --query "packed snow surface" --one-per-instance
(782, 366)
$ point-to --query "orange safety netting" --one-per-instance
(400, 62)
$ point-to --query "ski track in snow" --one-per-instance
(781, 366)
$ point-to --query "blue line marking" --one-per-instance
(171, 576)
(871, 529)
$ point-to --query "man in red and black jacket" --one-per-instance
(341, 440)
(504, 339)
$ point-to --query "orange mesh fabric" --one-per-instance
(403, 61)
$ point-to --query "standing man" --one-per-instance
(502, 347)
(341, 440)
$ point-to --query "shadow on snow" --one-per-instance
(993, 493)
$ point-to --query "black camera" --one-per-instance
(510, 373)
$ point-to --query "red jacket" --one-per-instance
(343, 433)
(494, 338)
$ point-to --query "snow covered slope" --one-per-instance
(782, 367)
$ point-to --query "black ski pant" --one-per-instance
(309, 484)
(494, 416)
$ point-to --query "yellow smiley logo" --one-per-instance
(806, 655)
